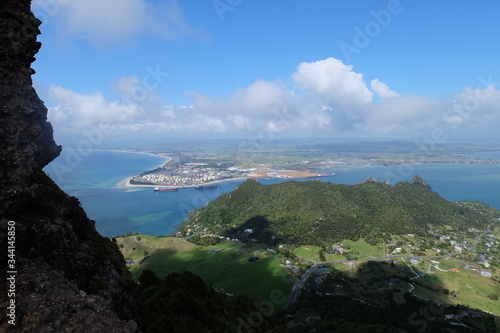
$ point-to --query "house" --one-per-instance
(414, 261)
(485, 273)
(455, 269)
(397, 250)
(472, 268)
(338, 249)
(325, 270)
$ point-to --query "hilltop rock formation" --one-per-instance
(420, 181)
(69, 278)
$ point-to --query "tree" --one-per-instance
(321, 255)
(493, 297)
(148, 278)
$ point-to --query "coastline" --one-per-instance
(166, 157)
(125, 183)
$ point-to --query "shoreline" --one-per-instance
(168, 158)
(125, 183)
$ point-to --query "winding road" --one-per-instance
(300, 283)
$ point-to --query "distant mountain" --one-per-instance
(318, 213)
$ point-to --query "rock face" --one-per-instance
(27, 142)
(420, 181)
(69, 278)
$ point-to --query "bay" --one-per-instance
(119, 210)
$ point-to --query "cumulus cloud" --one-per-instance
(108, 22)
(334, 83)
(132, 91)
(382, 89)
(404, 115)
(335, 101)
(262, 104)
(75, 110)
(476, 109)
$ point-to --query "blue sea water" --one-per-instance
(93, 177)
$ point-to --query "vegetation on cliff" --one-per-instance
(320, 213)
(182, 302)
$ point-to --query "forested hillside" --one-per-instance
(317, 213)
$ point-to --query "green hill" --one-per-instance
(318, 213)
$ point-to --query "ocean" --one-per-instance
(92, 178)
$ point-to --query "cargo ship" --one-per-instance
(205, 187)
(165, 189)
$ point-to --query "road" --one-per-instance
(300, 283)
(473, 248)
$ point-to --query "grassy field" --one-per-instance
(359, 248)
(225, 265)
(312, 253)
(465, 287)
(133, 247)
(362, 249)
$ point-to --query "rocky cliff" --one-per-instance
(67, 277)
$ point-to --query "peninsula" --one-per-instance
(198, 163)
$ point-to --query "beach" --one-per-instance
(100, 182)
(125, 183)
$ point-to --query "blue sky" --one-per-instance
(240, 68)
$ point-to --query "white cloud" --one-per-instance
(79, 110)
(267, 108)
(333, 83)
(108, 22)
(263, 104)
(476, 109)
(402, 115)
(382, 89)
(132, 91)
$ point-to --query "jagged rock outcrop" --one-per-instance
(27, 142)
(69, 278)
(420, 181)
